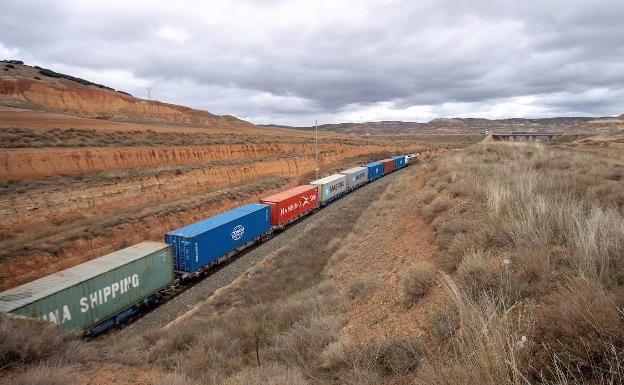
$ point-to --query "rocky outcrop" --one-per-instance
(31, 163)
(92, 102)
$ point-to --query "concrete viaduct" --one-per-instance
(528, 136)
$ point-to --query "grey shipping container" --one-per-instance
(330, 187)
(355, 176)
(84, 295)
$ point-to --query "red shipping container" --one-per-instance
(290, 203)
(388, 165)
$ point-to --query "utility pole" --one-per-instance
(316, 147)
(149, 93)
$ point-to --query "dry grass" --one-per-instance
(27, 341)
(578, 327)
(486, 348)
(443, 323)
(304, 341)
(171, 379)
(361, 286)
(417, 281)
(478, 276)
(72, 137)
(43, 375)
(268, 374)
(434, 208)
(372, 361)
(538, 286)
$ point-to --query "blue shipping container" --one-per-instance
(197, 245)
(399, 161)
(375, 170)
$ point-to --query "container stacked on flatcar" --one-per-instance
(355, 176)
(399, 161)
(203, 243)
(375, 170)
(330, 187)
(388, 165)
(84, 295)
(290, 204)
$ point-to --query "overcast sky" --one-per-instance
(291, 62)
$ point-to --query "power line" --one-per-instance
(316, 147)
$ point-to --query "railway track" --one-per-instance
(186, 296)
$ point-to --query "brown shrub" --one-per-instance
(43, 375)
(177, 340)
(443, 322)
(459, 188)
(531, 273)
(578, 328)
(417, 280)
(272, 374)
(427, 196)
(486, 348)
(375, 359)
(431, 210)
(171, 379)
(215, 355)
(440, 186)
(27, 341)
(460, 245)
(361, 286)
(300, 345)
(477, 276)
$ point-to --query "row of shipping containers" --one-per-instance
(89, 293)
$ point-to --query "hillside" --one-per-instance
(473, 126)
(87, 169)
(37, 88)
(482, 275)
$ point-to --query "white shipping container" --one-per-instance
(355, 176)
(330, 186)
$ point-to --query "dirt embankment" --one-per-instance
(92, 102)
(29, 163)
(113, 194)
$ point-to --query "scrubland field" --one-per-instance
(499, 263)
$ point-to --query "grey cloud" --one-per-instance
(293, 60)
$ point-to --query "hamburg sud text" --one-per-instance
(305, 201)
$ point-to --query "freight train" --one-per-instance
(101, 293)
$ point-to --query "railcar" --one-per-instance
(355, 177)
(330, 188)
(375, 170)
(388, 165)
(289, 205)
(97, 294)
(204, 243)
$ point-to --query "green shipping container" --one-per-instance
(86, 294)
